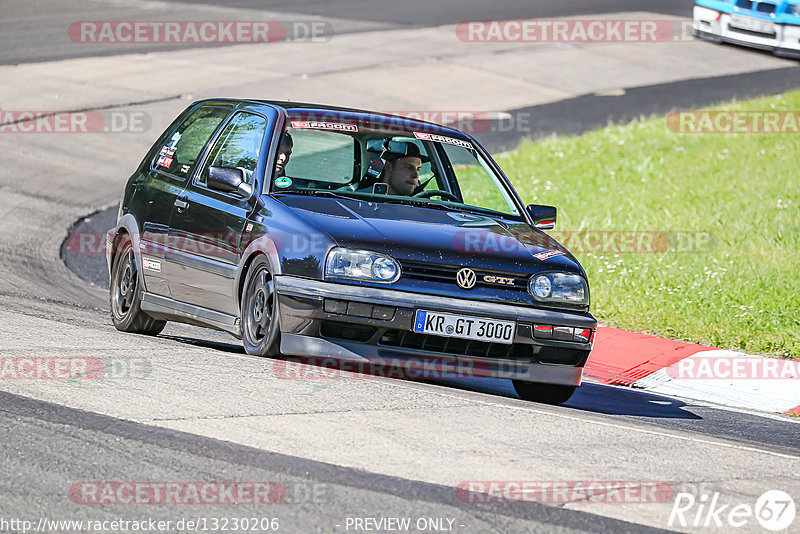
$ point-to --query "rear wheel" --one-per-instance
(544, 393)
(125, 294)
(259, 305)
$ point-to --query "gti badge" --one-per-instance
(499, 280)
(465, 278)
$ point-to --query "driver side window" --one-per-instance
(238, 146)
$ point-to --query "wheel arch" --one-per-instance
(264, 247)
(243, 276)
(127, 225)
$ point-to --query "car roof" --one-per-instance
(307, 108)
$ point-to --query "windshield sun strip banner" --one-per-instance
(442, 139)
(336, 126)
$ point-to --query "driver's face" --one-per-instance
(403, 175)
(284, 153)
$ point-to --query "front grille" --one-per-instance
(455, 346)
(752, 32)
(759, 7)
(446, 274)
(766, 8)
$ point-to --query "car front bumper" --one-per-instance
(376, 328)
(714, 25)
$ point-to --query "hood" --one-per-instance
(433, 235)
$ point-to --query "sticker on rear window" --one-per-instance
(283, 181)
(164, 161)
(337, 126)
(173, 142)
(547, 254)
(442, 139)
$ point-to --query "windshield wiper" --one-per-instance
(421, 203)
(368, 197)
(320, 193)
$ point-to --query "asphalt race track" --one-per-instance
(190, 406)
(33, 30)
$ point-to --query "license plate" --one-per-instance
(465, 327)
(755, 25)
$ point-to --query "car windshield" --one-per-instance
(430, 170)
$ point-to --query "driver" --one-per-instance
(401, 172)
(284, 153)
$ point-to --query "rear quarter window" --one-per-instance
(179, 153)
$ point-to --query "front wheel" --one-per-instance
(544, 393)
(259, 305)
(125, 294)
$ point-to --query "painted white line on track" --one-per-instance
(629, 428)
(731, 379)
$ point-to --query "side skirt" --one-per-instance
(168, 309)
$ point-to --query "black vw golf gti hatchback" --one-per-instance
(325, 232)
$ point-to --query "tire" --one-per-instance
(544, 393)
(259, 310)
(125, 294)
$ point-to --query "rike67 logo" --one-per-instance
(775, 510)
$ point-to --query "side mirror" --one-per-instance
(228, 180)
(544, 217)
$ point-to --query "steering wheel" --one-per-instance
(437, 192)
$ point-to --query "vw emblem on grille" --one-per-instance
(465, 278)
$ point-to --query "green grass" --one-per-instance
(741, 291)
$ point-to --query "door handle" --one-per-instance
(181, 204)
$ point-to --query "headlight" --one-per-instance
(559, 288)
(361, 265)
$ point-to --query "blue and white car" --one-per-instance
(769, 25)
